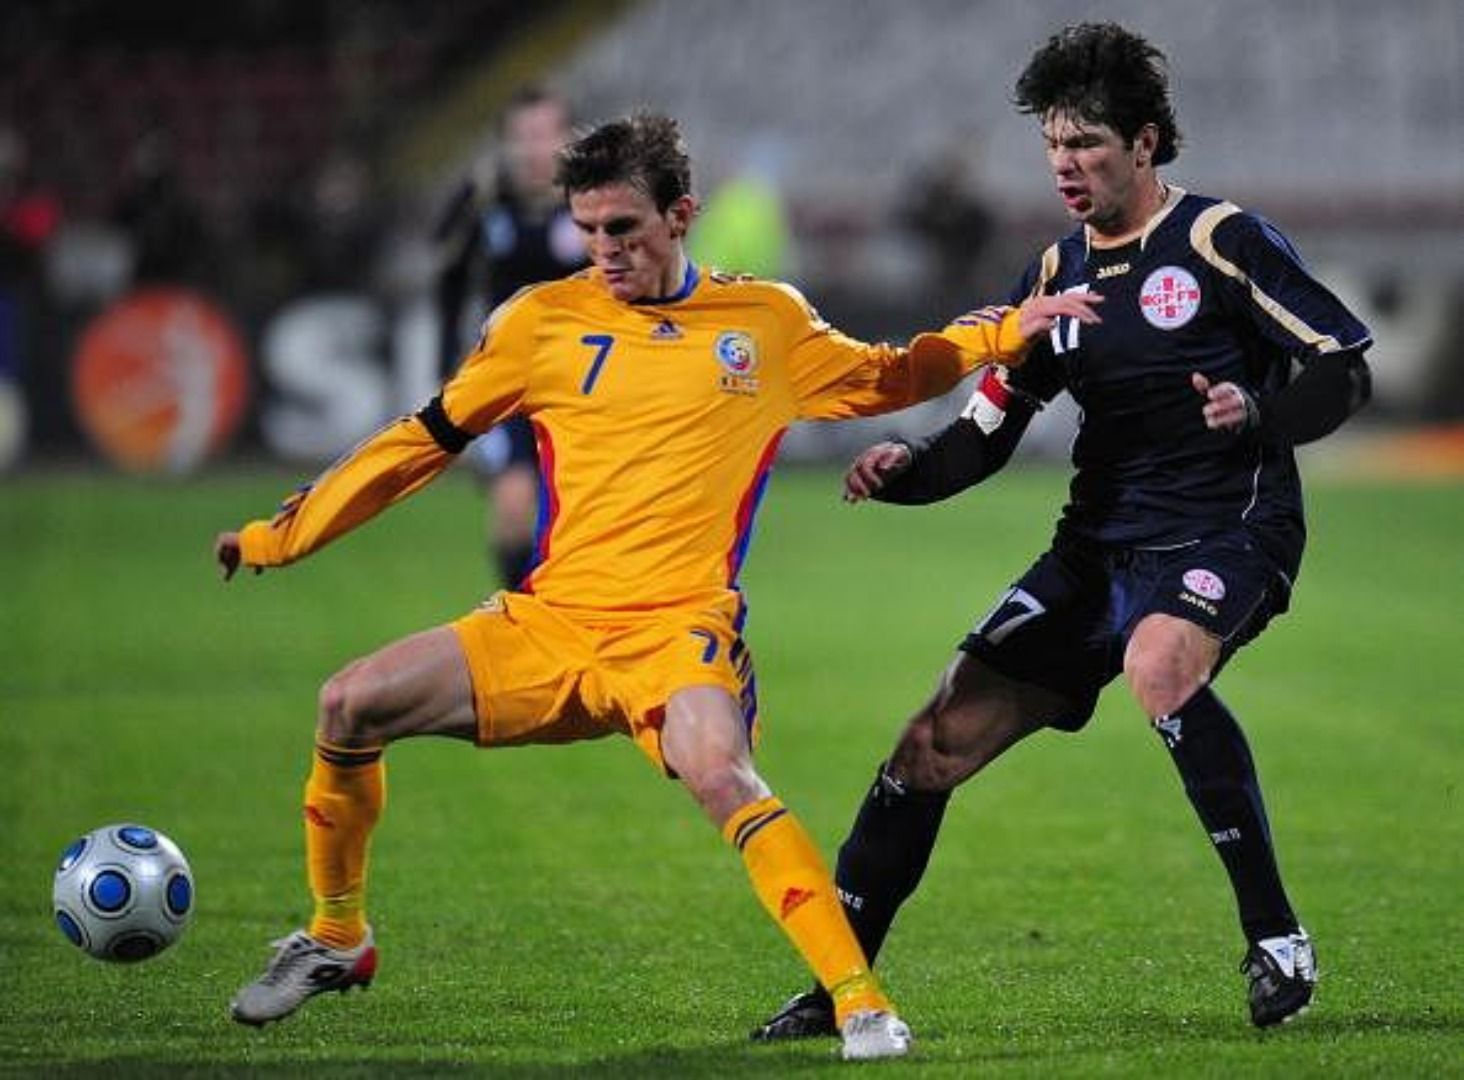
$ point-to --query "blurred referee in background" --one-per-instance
(516, 233)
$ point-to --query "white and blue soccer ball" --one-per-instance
(123, 893)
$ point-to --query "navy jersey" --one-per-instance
(524, 249)
(1207, 288)
(499, 250)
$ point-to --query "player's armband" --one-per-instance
(444, 432)
(988, 404)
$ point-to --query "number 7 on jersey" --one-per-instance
(601, 344)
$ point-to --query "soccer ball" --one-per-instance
(123, 893)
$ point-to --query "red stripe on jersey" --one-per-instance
(548, 502)
(747, 507)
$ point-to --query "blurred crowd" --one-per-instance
(271, 154)
(257, 176)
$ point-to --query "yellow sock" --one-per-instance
(795, 887)
(343, 799)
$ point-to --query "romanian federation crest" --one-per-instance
(737, 355)
(1170, 297)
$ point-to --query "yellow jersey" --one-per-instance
(657, 424)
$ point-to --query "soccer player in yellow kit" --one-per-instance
(658, 395)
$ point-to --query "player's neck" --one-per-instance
(674, 280)
(1154, 199)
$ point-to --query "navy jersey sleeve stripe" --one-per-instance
(1294, 310)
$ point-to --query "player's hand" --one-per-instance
(1039, 314)
(874, 468)
(1227, 406)
(228, 554)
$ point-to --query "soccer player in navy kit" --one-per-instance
(523, 235)
(1184, 529)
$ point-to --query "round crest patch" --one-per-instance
(1169, 298)
(1204, 583)
(737, 352)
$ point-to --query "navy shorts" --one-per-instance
(503, 446)
(1066, 622)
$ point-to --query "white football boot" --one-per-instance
(875, 1033)
(303, 967)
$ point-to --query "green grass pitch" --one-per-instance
(542, 911)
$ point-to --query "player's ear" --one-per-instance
(1145, 143)
(680, 214)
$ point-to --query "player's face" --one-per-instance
(635, 246)
(532, 135)
(1102, 181)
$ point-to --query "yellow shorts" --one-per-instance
(549, 675)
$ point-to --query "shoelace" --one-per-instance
(866, 1022)
(291, 949)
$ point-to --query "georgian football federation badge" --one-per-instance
(737, 354)
(1203, 589)
(1170, 297)
(1205, 583)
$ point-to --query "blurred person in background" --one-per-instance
(1184, 530)
(516, 233)
(30, 218)
(659, 396)
(342, 220)
(164, 226)
(742, 226)
(945, 209)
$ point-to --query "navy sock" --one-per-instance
(885, 855)
(1219, 776)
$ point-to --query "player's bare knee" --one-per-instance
(345, 712)
(1161, 683)
(1168, 660)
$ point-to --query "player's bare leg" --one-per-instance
(1168, 664)
(704, 741)
(417, 686)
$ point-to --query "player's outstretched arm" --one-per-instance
(968, 450)
(392, 464)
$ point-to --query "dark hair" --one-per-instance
(1103, 74)
(644, 150)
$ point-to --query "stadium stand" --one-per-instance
(1348, 90)
(303, 140)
